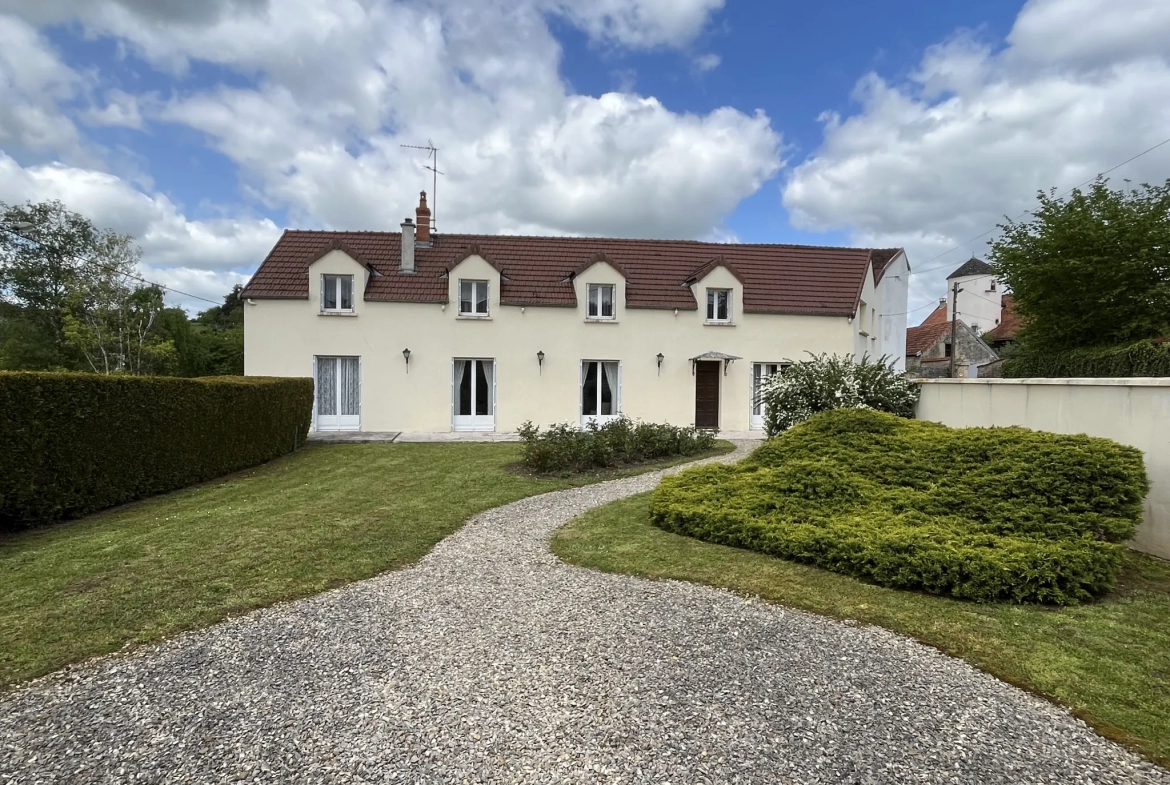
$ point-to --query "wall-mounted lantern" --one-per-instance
(661, 357)
(540, 361)
(406, 356)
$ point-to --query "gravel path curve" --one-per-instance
(491, 661)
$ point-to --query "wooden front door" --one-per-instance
(707, 394)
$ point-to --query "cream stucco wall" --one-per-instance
(884, 319)
(283, 336)
(1131, 411)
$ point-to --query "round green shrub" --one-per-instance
(983, 514)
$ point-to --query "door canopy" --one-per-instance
(726, 359)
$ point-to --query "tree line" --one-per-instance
(71, 300)
(1090, 271)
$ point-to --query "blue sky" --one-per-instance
(205, 129)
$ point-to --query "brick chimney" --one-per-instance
(423, 220)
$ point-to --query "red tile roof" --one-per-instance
(1009, 321)
(924, 336)
(937, 316)
(539, 270)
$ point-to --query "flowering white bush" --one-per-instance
(834, 382)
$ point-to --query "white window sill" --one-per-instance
(337, 313)
(718, 324)
(472, 317)
(600, 320)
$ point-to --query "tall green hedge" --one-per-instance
(1144, 358)
(984, 514)
(73, 443)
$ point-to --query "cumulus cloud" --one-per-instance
(332, 89)
(33, 80)
(932, 162)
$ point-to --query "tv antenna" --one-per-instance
(433, 168)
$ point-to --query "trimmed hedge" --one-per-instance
(75, 443)
(984, 514)
(1144, 358)
(565, 448)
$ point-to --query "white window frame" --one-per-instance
(713, 306)
(756, 409)
(595, 301)
(335, 280)
(475, 298)
(474, 422)
(599, 419)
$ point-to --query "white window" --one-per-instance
(336, 293)
(761, 372)
(719, 305)
(473, 298)
(601, 391)
(600, 301)
(474, 395)
(338, 391)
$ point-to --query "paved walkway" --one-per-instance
(491, 661)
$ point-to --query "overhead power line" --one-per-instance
(113, 269)
(1029, 212)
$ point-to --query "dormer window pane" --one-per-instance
(473, 298)
(718, 305)
(600, 297)
(336, 292)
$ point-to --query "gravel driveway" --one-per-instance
(491, 661)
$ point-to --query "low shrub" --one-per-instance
(75, 443)
(566, 448)
(1144, 358)
(834, 382)
(984, 514)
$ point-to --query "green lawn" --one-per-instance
(1109, 661)
(323, 517)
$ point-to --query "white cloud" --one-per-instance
(33, 80)
(708, 62)
(175, 248)
(1091, 32)
(642, 23)
(973, 134)
(121, 109)
(340, 85)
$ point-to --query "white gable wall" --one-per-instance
(979, 304)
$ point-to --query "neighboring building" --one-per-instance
(411, 331)
(928, 350)
(1004, 333)
(979, 300)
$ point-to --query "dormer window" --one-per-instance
(600, 301)
(336, 293)
(719, 305)
(473, 298)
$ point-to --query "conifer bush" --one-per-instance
(983, 514)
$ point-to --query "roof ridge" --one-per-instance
(588, 238)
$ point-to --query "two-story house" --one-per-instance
(415, 332)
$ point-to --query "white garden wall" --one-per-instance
(1130, 411)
